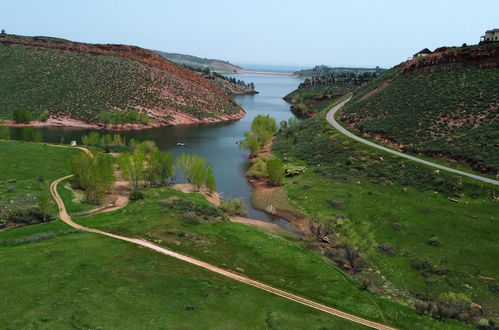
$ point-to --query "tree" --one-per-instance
(184, 164)
(211, 184)
(4, 132)
(250, 143)
(263, 126)
(252, 85)
(196, 170)
(159, 168)
(3, 31)
(133, 167)
(95, 175)
(275, 170)
(21, 116)
(30, 134)
(234, 206)
(359, 243)
(43, 203)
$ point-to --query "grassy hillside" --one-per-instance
(201, 63)
(449, 110)
(81, 80)
(324, 70)
(406, 205)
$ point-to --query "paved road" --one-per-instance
(332, 121)
(67, 219)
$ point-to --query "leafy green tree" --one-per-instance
(22, 116)
(43, 203)
(263, 126)
(196, 170)
(211, 184)
(359, 243)
(275, 170)
(92, 139)
(133, 167)
(30, 134)
(250, 143)
(159, 168)
(95, 175)
(184, 164)
(234, 206)
(44, 116)
(4, 132)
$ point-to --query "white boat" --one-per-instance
(181, 144)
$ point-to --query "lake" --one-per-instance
(216, 142)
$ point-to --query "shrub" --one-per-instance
(275, 170)
(335, 204)
(21, 116)
(258, 169)
(44, 116)
(4, 132)
(387, 248)
(234, 206)
(136, 195)
(434, 241)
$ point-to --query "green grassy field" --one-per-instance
(451, 112)
(368, 185)
(85, 281)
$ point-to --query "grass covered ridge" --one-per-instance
(449, 112)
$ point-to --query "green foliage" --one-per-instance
(250, 143)
(275, 170)
(44, 116)
(115, 117)
(359, 243)
(133, 167)
(196, 170)
(31, 134)
(21, 116)
(258, 169)
(136, 195)
(4, 132)
(108, 142)
(159, 168)
(234, 206)
(94, 173)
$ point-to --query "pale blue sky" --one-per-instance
(353, 33)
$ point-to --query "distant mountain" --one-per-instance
(215, 65)
(78, 81)
(327, 71)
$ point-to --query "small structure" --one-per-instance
(73, 143)
(422, 53)
(490, 36)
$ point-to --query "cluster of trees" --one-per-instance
(263, 128)
(329, 80)
(94, 174)
(109, 142)
(115, 117)
(206, 71)
(22, 116)
(146, 165)
(196, 170)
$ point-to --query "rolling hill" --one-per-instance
(219, 66)
(77, 81)
(444, 104)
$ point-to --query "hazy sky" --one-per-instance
(308, 32)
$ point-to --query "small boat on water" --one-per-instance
(181, 144)
(238, 141)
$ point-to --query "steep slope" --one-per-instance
(78, 81)
(444, 104)
(219, 66)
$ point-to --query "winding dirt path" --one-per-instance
(330, 118)
(67, 219)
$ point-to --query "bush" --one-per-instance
(44, 116)
(275, 170)
(258, 169)
(434, 241)
(21, 116)
(136, 195)
(28, 216)
(335, 204)
(387, 249)
(234, 206)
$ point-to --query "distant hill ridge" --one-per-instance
(327, 71)
(215, 65)
(442, 104)
(79, 80)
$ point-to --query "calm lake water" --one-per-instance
(216, 142)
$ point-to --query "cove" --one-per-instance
(215, 142)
